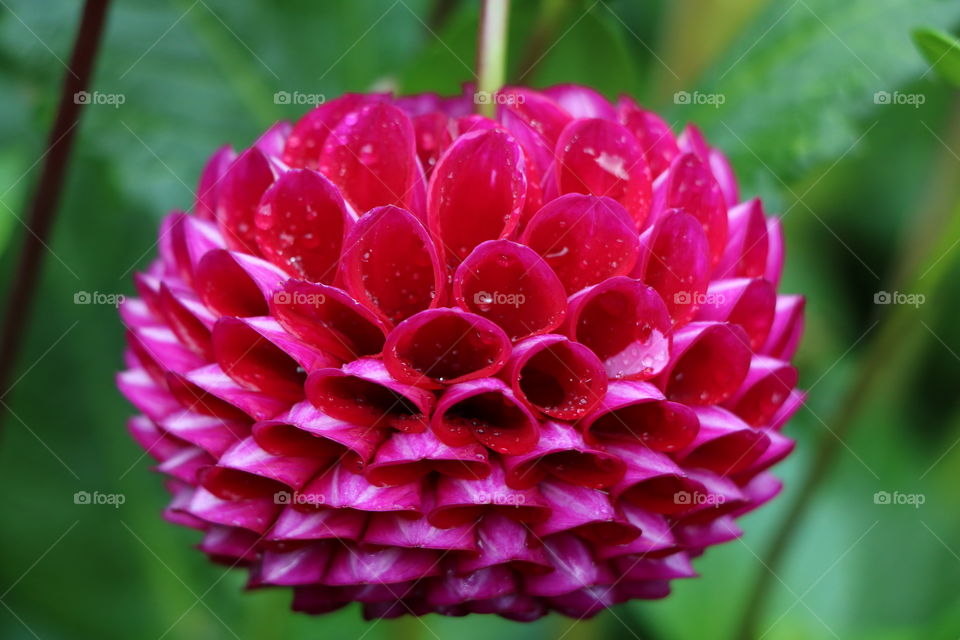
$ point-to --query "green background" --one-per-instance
(870, 196)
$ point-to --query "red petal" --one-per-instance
(476, 192)
(305, 142)
(208, 188)
(654, 134)
(710, 361)
(300, 224)
(690, 186)
(603, 158)
(239, 195)
(584, 239)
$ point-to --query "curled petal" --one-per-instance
(208, 188)
(767, 386)
(652, 132)
(656, 538)
(432, 131)
(391, 529)
(363, 393)
(354, 565)
(586, 512)
(709, 362)
(574, 568)
(254, 514)
(158, 443)
(534, 120)
(637, 412)
(339, 488)
(158, 350)
(301, 223)
(306, 140)
(726, 178)
(190, 239)
(483, 584)
(787, 328)
(406, 457)
(626, 324)
(512, 286)
(747, 243)
(654, 482)
(562, 453)
(460, 500)
(780, 447)
(329, 319)
(476, 192)
(775, 244)
(318, 524)
(580, 101)
(247, 471)
(584, 239)
(789, 407)
(390, 264)
(689, 186)
(674, 260)
(602, 158)
(725, 444)
(213, 435)
(445, 346)
(235, 284)
(188, 318)
(556, 377)
(239, 193)
(210, 391)
(670, 567)
(304, 564)
(231, 546)
(371, 156)
(146, 394)
(742, 301)
(504, 541)
(485, 411)
(702, 535)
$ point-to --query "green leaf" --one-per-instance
(942, 51)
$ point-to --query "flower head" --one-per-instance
(411, 357)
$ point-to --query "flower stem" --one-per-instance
(491, 53)
(43, 206)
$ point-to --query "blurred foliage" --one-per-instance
(858, 181)
(942, 51)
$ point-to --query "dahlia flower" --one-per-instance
(411, 357)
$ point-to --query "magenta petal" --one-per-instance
(156, 442)
(690, 186)
(158, 350)
(534, 120)
(354, 565)
(747, 243)
(190, 239)
(305, 430)
(790, 406)
(329, 319)
(301, 223)
(371, 156)
(146, 394)
(306, 140)
(588, 513)
(512, 286)
(239, 195)
(557, 377)
(406, 457)
(390, 529)
(208, 188)
(186, 464)
(460, 500)
(723, 171)
(637, 412)
(485, 410)
(626, 324)
(767, 386)
(391, 265)
(445, 346)
(363, 393)
(476, 192)
(653, 481)
(235, 284)
(780, 447)
(561, 452)
(580, 101)
(208, 390)
(339, 488)
(247, 471)
(725, 444)
(748, 303)
(504, 541)
(305, 564)
(709, 362)
(213, 435)
(787, 328)
(584, 239)
(675, 261)
(652, 132)
(758, 491)
(574, 568)
(775, 251)
(188, 318)
(230, 545)
(700, 536)
(602, 158)
(656, 539)
(255, 514)
(318, 524)
(432, 131)
(483, 584)
(671, 567)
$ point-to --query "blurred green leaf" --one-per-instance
(942, 51)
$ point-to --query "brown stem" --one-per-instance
(43, 206)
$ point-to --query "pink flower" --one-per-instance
(411, 357)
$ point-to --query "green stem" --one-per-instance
(491, 53)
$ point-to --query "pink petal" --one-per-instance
(391, 529)
(391, 265)
(235, 284)
(637, 412)
(708, 364)
(625, 323)
(742, 301)
(725, 444)
(239, 195)
(767, 386)
(305, 564)
(190, 239)
(208, 188)
(775, 251)
(452, 589)
(652, 132)
(146, 394)
(320, 524)
(354, 565)
(301, 223)
(585, 512)
(654, 482)
(747, 243)
(247, 471)
(655, 540)
(308, 136)
(254, 514)
(339, 488)
(460, 500)
(689, 186)
(512, 286)
(213, 435)
(485, 410)
(503, 541)
(580, 101)
(406, 457)
(787, 328)
(584, 239)
(476, 192)
(208, 390)
(602, 158)
(574, 568)
(534, 120)
(557, 377)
